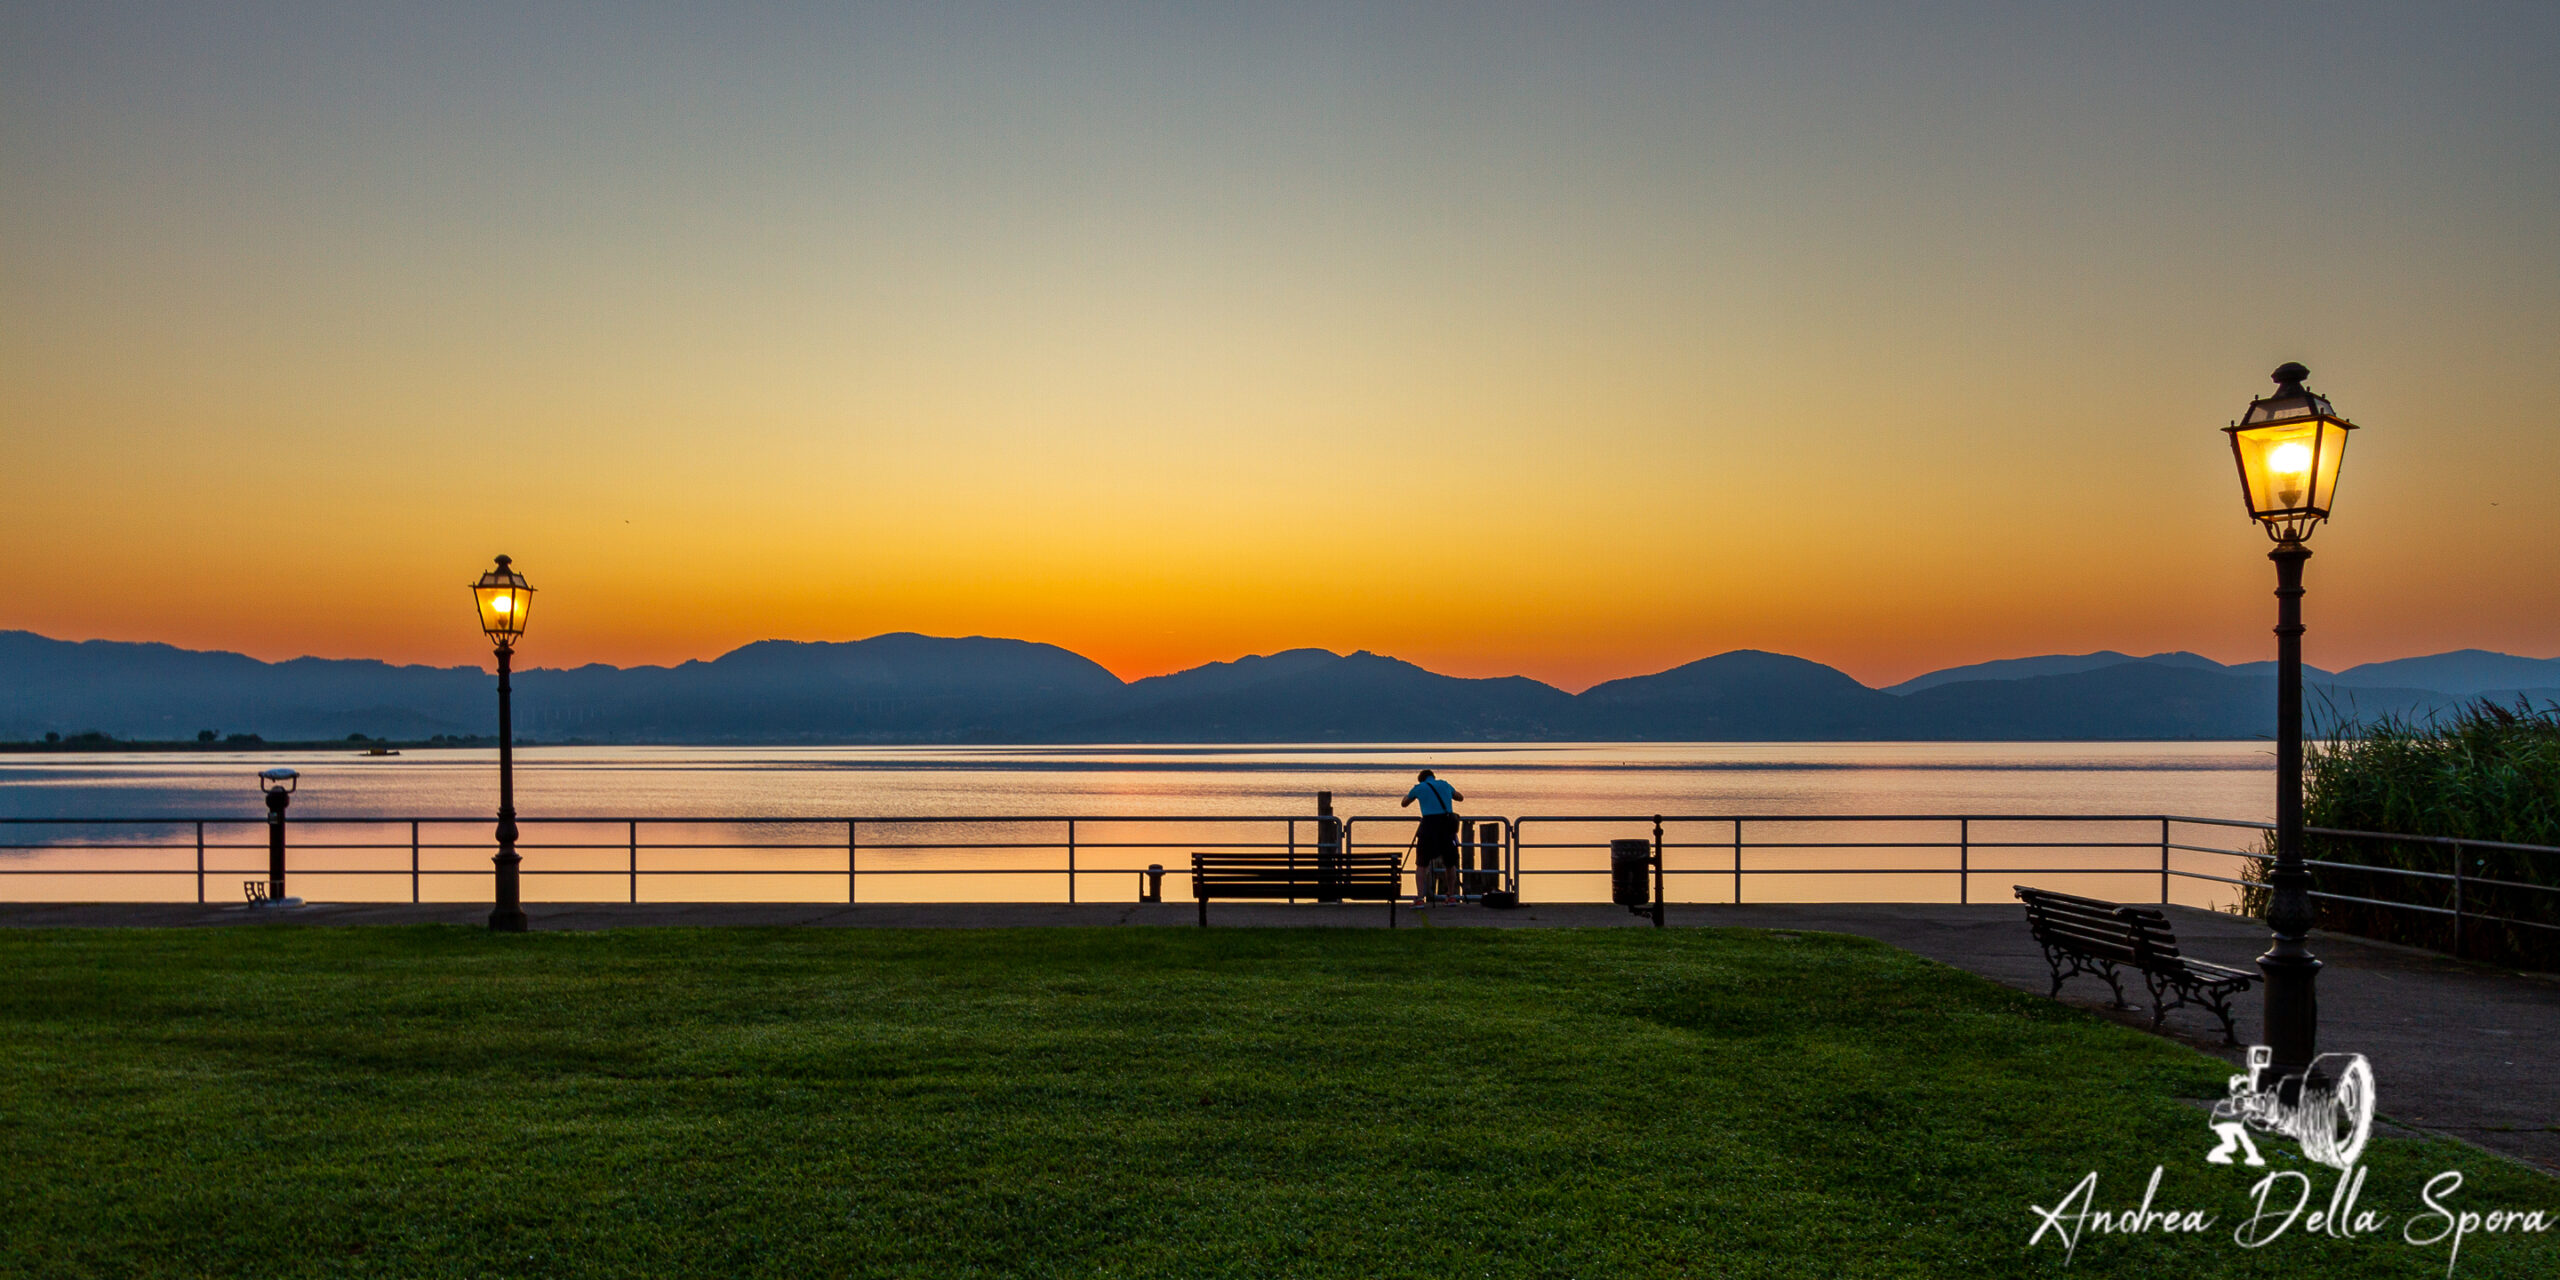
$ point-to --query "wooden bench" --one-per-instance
(2087, 935)
(1370, 877)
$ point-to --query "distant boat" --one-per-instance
(381, 751)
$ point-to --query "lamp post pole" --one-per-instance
(2289, 446)
(503, 598)
(2292, 1011)
(508, 915)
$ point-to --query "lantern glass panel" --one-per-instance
(2289, 469)
(504, 599)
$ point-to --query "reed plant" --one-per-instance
(2486, 772)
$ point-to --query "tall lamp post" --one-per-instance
(2288, 446)
(504, 598)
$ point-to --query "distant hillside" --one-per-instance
(892, 688)
(1746, 695)
(906, 688)
(2049, 665)
(1310, 695)
(2465, 673)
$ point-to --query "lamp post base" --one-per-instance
(508, 917)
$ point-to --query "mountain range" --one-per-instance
(906, 688)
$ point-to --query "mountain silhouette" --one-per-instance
(908, 688)
(1745, 695)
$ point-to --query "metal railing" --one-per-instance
(438, 850)
(1706, 858)
(1720, 857)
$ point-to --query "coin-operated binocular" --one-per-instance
(2328, 1108)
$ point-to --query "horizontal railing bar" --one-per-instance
(2453, 841)
(2199, 875)
(890, 820)
(1727, 871)
(751, 819)
(1757, 818)
(2406, 906)
(2388, 871)
(2147, 846)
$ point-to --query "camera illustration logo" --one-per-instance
(2327, 1108)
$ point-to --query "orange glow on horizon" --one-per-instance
(1569, 347)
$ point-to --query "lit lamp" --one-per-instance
(278, 784)
(504, 598)
(2289, 446)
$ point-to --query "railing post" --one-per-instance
(852, 869)
(199, 861)
(1071, 861)
(1511, 874)
(1964, 861)
(1737, 862)
(1293, 856)
(2459, 931)
(413, 862)
(2164, 862)
(634, 847)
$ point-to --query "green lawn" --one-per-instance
(1230, 1102)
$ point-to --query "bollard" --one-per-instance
(1151, 883)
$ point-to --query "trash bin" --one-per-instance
(1630, 866)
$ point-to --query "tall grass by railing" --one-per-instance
(2487, 776)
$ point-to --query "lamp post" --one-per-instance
(2288, 446)
(278, 784)
(504, 598)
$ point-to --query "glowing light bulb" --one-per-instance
(2290, 464)
(507, 604)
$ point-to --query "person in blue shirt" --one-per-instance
(1435, 845)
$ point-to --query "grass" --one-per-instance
(445, 1102)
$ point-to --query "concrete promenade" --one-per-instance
(2457, 1048)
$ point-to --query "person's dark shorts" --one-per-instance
(1437, 841)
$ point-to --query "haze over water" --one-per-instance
(719, 786)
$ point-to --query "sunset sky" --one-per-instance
(1573, 341)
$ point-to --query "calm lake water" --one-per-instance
(992, 818)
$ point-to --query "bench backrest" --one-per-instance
(2139, 936)
(1282, 875)
(2152, 935)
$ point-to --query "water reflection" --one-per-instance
(661, 823)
